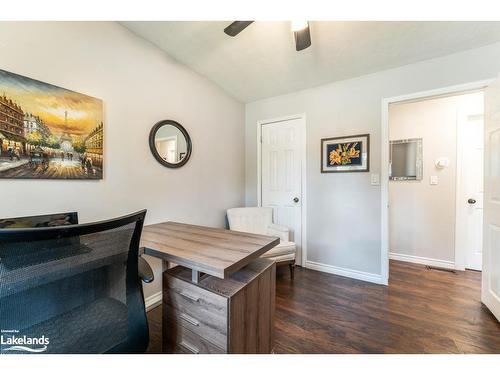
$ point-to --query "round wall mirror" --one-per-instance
(170, 143)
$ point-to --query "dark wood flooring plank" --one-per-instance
(422, 311)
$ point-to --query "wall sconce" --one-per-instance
(442, 163)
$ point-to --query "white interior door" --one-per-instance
(471, 191)
(490, 291)
(281, 175)
(167, 148)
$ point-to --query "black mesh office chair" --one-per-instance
(73, 289)
(40, 221)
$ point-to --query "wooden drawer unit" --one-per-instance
(232, 315)
(207, 307)
(183, 340)
(213, 330)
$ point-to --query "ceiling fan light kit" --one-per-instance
(299, 25)
(302, 38)
(300, 31)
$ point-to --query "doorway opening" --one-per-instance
(424, 178)
(167, 148)
(436, 163)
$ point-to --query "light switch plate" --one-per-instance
(375, 179)
(434, 180)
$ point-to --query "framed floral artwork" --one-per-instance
(345, 154)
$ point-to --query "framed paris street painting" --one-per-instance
(47, 132)
(345, 154)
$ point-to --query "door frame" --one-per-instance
(460, 249)
(303, 213)
(384, 175)
(169, 138)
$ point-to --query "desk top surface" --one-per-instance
(217, 252)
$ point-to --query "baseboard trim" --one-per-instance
(423, 260)
(153, 301)
(346, 272)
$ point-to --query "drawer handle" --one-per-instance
(191, 348)
(189, 296)
(189, 319)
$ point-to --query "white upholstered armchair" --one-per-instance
(259, 220)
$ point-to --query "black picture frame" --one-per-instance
(154, 151)
(342, 169)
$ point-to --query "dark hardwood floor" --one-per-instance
(422, 311)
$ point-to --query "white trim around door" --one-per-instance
(303, 198)
(384, 178)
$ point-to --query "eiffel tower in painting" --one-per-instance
(65, 139)
(66, 136)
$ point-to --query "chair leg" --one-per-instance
(292, 270)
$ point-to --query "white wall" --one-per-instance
(343, 210)
(139, 85)
(421, 215)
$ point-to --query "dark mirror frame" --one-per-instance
(155, 153)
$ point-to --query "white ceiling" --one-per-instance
(262, 62)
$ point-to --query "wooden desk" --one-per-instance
(220, 299)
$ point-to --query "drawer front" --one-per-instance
(215, 335)
(208, 308)
(182, 340)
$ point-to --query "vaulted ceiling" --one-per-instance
(262, 62)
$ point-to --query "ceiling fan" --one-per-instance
(300, 30)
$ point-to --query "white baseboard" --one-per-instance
(423, 260)
(347, 272)
(153, 300)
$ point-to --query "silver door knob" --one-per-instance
(296, 200)
(471, 201)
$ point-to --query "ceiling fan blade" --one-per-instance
(302, 38)
(236, 27)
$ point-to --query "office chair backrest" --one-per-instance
(58, 295)
(48, 220)
(37, 221)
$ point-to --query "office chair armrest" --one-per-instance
(145, 271)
